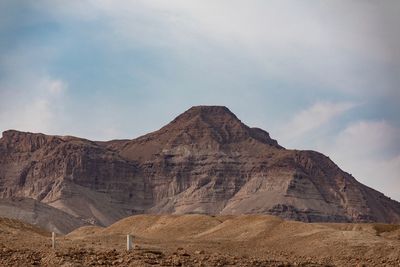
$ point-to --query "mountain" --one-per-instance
(205, 161)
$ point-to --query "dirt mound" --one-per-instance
(85, 231)
(164, 226)
(16, 227)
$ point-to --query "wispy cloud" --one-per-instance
(370, 150)
(39, 104)
(369, 138)
(311, 119)
(300, 42)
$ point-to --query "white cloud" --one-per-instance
(312, 119)
(370, 151)
(32, 104)
(297, 41)
(369, 138)
(30, 98)
(55, 87)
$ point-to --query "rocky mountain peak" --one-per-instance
(213, 123)
(207, 113)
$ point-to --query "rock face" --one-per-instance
(204, 161)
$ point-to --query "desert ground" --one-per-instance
(202, 240)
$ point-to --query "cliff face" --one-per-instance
(204, 161)
(75, 175)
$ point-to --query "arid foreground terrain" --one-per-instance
(201, 240)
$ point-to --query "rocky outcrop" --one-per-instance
(204, 161)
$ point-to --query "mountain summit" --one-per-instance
(200, 129)
(204, 161)
(224, 125)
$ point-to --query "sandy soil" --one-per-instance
(199, 240)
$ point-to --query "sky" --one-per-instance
(317, 75)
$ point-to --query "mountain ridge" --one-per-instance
(204, 161)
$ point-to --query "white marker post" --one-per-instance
(128, 242)
(53, 240)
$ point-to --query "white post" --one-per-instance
(53, 240)
(128, 242)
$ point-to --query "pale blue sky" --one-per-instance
(321, 75)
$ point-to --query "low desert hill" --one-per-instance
(258, 237)
(253, 235)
